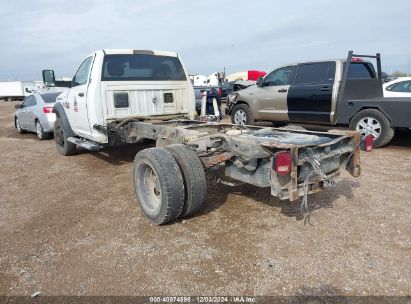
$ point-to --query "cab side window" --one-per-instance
(83, 72)
(282, 76)
(316, 73)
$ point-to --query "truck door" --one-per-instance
(272, 96)
(77, 98)
(310, 97)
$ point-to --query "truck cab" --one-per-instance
(302, 92)
(344, 92)
(114, 85)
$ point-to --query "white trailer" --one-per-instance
(12, 90)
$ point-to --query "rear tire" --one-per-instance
(372, 121)
(158, 185)
(195, 180)
(40, 132)
(65, 147)
(241, 115)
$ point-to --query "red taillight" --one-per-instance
(356, 59)
(283, 163)
(48, 110)
(220, 91)
(369, 142)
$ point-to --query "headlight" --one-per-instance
(232, 97)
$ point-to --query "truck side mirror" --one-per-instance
(48, 78)
(260, 81)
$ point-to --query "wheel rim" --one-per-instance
(240, 117)
(39, 130)
(18, 125)
(369, 125)
(150, 189)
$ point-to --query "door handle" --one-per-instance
(325, 89)
(81, 94)
(282, 91)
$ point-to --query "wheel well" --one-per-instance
(371, 108)
(241, 102)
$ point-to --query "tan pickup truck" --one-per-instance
(324, 92)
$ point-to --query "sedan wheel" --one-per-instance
(40, 132)
(18, 127)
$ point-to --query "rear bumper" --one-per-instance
(48, 122)
(341, 149)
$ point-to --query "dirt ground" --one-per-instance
(71, 226)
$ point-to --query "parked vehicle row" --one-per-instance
(400, 87)
(219, 92)
(137, 94)
(334, 92)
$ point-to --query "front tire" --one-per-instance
(158, 185)
(65, 147)
(18, 127)
(372, 121)
(241, 115)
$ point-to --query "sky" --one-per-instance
(208, 35)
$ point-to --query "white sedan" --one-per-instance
(400, 87)
(35, 114)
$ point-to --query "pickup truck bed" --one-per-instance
(396, 109)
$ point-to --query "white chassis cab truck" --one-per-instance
(124, 96)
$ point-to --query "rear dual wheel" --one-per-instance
(169, 183)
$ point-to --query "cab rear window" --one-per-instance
(361, 70)
(142, 67)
